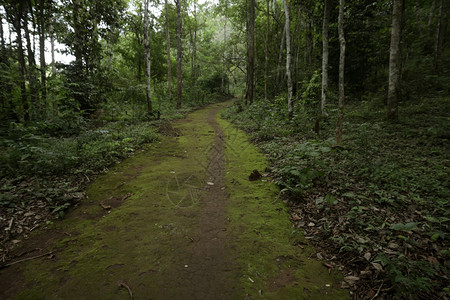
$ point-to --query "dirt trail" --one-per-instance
(185, 223)
(209, 271)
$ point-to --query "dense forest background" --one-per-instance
(349, 99)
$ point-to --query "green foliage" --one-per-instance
(388, 187)
(408, 277)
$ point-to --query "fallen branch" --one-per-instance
(378, 292)
(25, 259)
(121, 283)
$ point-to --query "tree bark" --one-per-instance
(147, 36)
(251, 52)
(280, 56)
(438, 41)
(266, 52)
(179, 54)
(43, 65)
(52, 44)
(2, 41)
(194, 48)
(341, 72)
(325, 26)
(394, 61)
(169, 65)
(77, 35)
(288, 58)
(431, 17)
(34, 89)
(21, 59)
(224, 59)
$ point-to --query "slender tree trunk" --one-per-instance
(194, 48)
(266, 52)
(224, 59)
(52, 45)
(394, 61)
(280, 56)
(341, 72)
(431, 17)
(21, 64)
(2, 41)
(34, 89)
(179, 55)
(169, 67)
(288, 58)
(147, 36)
(438, 42)
(43, 65)
(296, 43)
(310, 45)
(77, 35)
(325, 25)
(251, 52)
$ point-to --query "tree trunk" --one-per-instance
(169, 67)
(34, 89)
(2, 41)
(251, 52)
(194, 48)
(430, 19)
(438, 42)
(43, 65)
(147, 36)
(325, 25)
(266, 52)
(21, 59)
(341, 72)
(280, 56)
(394, 61)
(52, 45)
(288, 58)
(179, 54)
(224, 59)
(77, 35)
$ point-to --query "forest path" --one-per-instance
(179, 220)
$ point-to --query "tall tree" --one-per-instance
(224, 58)
(280, 56)
(15, 16)
(394, 60)
(438, 40)
(2, 37)
(288, 58)
(325, 25)
(266, 51)
(43, 65)
(52, 41)
(147, 36)
(251, 52)
(31, 74)
(169, 60)
(179, 54)
(341, 72)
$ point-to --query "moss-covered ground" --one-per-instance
(273, 266)
(135, 228)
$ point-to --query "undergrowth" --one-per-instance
(380, 204)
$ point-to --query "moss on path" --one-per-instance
(172, 234)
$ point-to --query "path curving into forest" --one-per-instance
(179, 220)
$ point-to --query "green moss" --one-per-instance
(136, 243)
(142, 242)
(264, 234)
